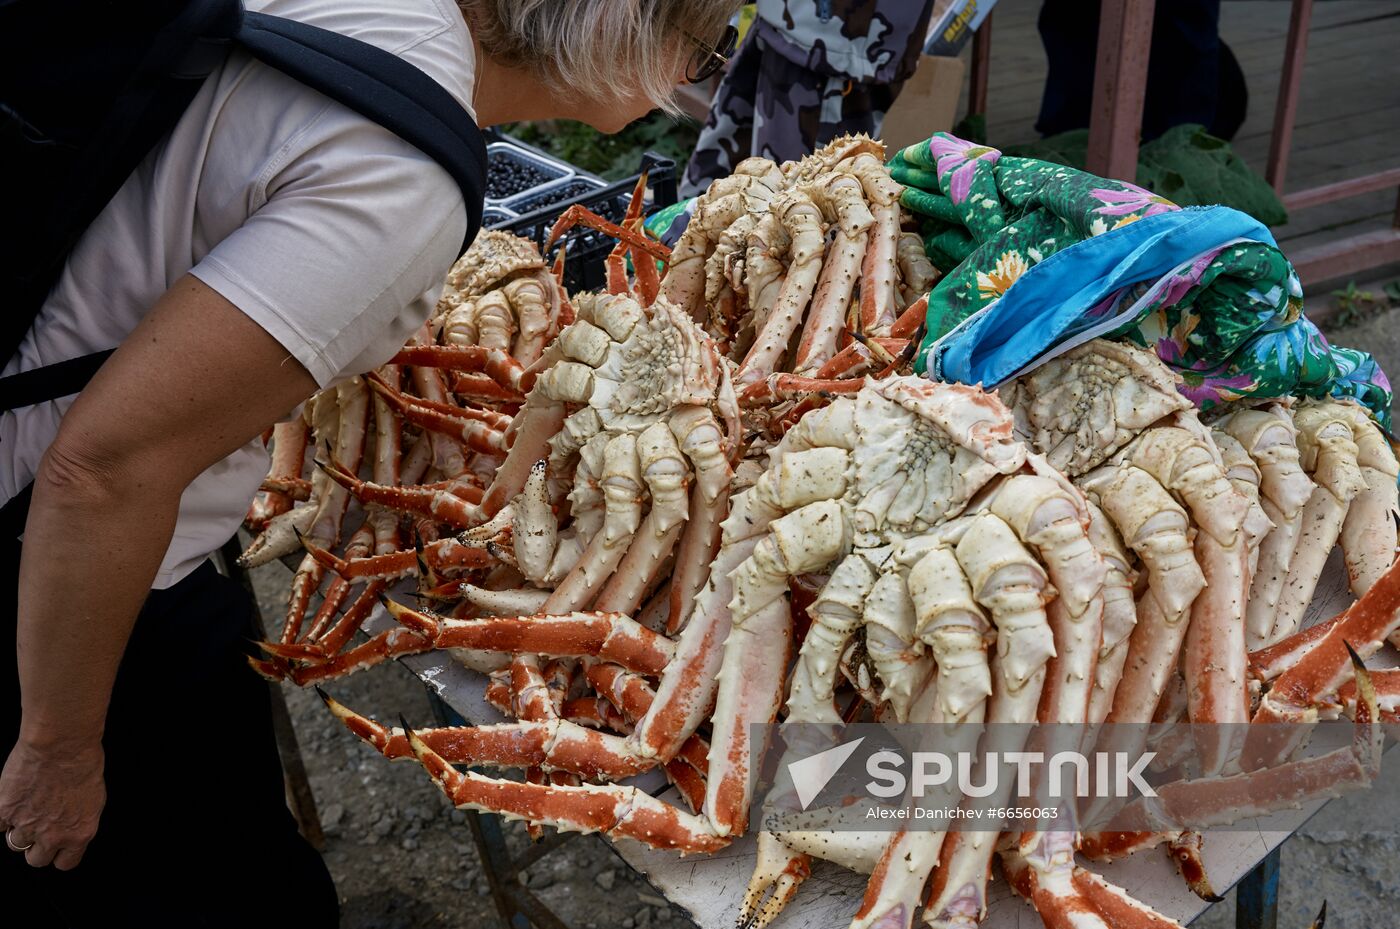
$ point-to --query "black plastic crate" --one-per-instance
(587, 248)
(532, 201)
(494, 218)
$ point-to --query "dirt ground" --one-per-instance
(402, 857)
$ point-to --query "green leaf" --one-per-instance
(1189, 166)
(611, 157)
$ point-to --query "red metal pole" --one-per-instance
(981, 67)
(1120, 83)
(1340, 190)
(1289, 85)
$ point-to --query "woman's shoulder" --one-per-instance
(430, 34)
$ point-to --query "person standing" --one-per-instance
(274, 243)
(807, 72)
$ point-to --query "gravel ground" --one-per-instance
(402, 857)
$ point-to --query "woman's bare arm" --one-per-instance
(194, 382)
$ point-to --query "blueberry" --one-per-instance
(508, 175)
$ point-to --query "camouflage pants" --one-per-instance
(766, 105)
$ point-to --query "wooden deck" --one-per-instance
(1348, 120)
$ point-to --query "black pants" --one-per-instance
(196, 830)
(1192, 76)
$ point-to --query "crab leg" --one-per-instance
(622, 490)
(1119, 613)
(324, 647)
(1015, 588)
(749, 189)
(763, 267)
(387, 469)
(1368, 534)
(443, 554)
(794, 386)
(911, 320)
(1154, 526)
(283, 482)
(1076, 898)
(478, 430)
(392, 643)
(1387, 687)
(481, 389)
(1319, 674)
(1269, 437)
(361, 543)
(609, 636)
(1269, 662)
(664, 471)
(698, 546)
(530, 298)
(916, 271)
(615, 811)
(828, 310)
(346, 411)
(426, 411)
(579, 215)
(759, 640)
(1207, 802)
(877, 287)
(802, 221)
(988, 567)
(1215, 658)
(495, 363)
(1329, 453)
(445, 506)
(749, 576)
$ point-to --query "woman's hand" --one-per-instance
(50, 799)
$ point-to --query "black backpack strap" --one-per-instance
(13, 514)
(50, 381)
(374, 83)
(35, 386)
(383, 88)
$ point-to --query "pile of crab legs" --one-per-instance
(570, 509)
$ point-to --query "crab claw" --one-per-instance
(363, 727)
(293, 651)
(279, 538)
(268, 670)
(324, 557)
(421, 622)
(779, 870)
(1321, 919)
(427, 576)
(1185, 850)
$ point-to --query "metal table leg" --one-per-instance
(516, 905)
(1256, 897)
(299, 796)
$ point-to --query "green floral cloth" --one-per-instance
(1230, 321)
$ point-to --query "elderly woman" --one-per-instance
(274, 243)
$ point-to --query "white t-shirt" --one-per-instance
(327, 230)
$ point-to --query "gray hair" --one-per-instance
(609, 46)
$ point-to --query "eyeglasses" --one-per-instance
(710, 58)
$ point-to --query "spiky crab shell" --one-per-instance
(494, 256)
(1080, 408)
(924, 450)
(660, 360)
(831, 154)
